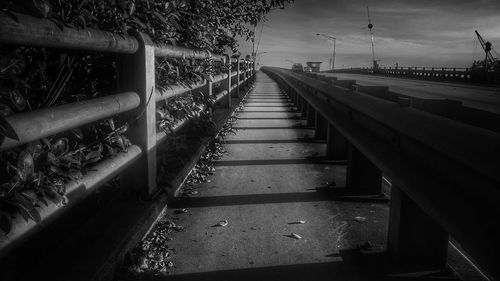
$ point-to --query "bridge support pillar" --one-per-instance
(311, 116)
(321, 127)
(414, 238)
(293, 96)
(304, 107)
(336, 144)
(363, 178)
(300, 104)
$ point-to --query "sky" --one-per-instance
(423, 33)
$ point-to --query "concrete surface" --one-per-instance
(263, 185)
(262, 199)
(480, 97)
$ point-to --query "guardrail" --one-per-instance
(429, 73)
(137, 55)
(449, 108)
(444, 174)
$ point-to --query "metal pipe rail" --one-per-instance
(444, 174)
(30, 31)
(76, 190)
(428, 73)
(33, 125)
(136, 82)
(164, 50)
(177, 90)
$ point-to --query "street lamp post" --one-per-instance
(332, 65)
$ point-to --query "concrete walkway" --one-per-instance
(269, 179)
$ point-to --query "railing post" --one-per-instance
(362, 178)
(303, 106)
(207, 89)
(311, 116)
(336, 144)
(321, 127)
(414, 238)
(137, 73)
(227, 81)
(238, 72)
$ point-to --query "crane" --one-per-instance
(489, 61)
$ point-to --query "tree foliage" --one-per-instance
(34, 78)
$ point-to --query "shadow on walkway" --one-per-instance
(353, 266)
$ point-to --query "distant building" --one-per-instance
(314, 65)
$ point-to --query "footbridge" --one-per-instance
(296, 176)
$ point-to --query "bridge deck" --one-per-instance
(267, 180)
(479, 97)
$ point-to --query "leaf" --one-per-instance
(93, 156)
(60, 146)
(25, 165)
(43, 7)
(35, 215)
(42, 199)
(75, 174)
(5, 223)
(77, 132)
(24, 212)
(7, 130)
(162, 18)
(53, 196)
(25, 202)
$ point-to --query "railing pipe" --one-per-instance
(164, 50)
(76, 190)
(30, 31)
(45, 122)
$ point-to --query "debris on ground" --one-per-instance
(330, 183)
(366, 246)
(360, 219)
(296, 236)
(223, 223)
(205, 165)
(181, 211)
(152, 254)
(297, 222)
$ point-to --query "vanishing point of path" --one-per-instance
(270, 178)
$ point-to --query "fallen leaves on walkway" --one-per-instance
(223, 223)
(205, 165)
(152, 255)
(360, 219)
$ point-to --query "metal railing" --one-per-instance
(137, 55)
(456, 74)
(449, 108)
(444, 174)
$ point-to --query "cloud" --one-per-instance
(426, 32)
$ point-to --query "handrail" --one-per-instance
(75, 191)
(177, 90)
(30, 31)
(45, 122)
(447, 168)
(137, 85)
(482, 146)
(219, 77)
(164, 50)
